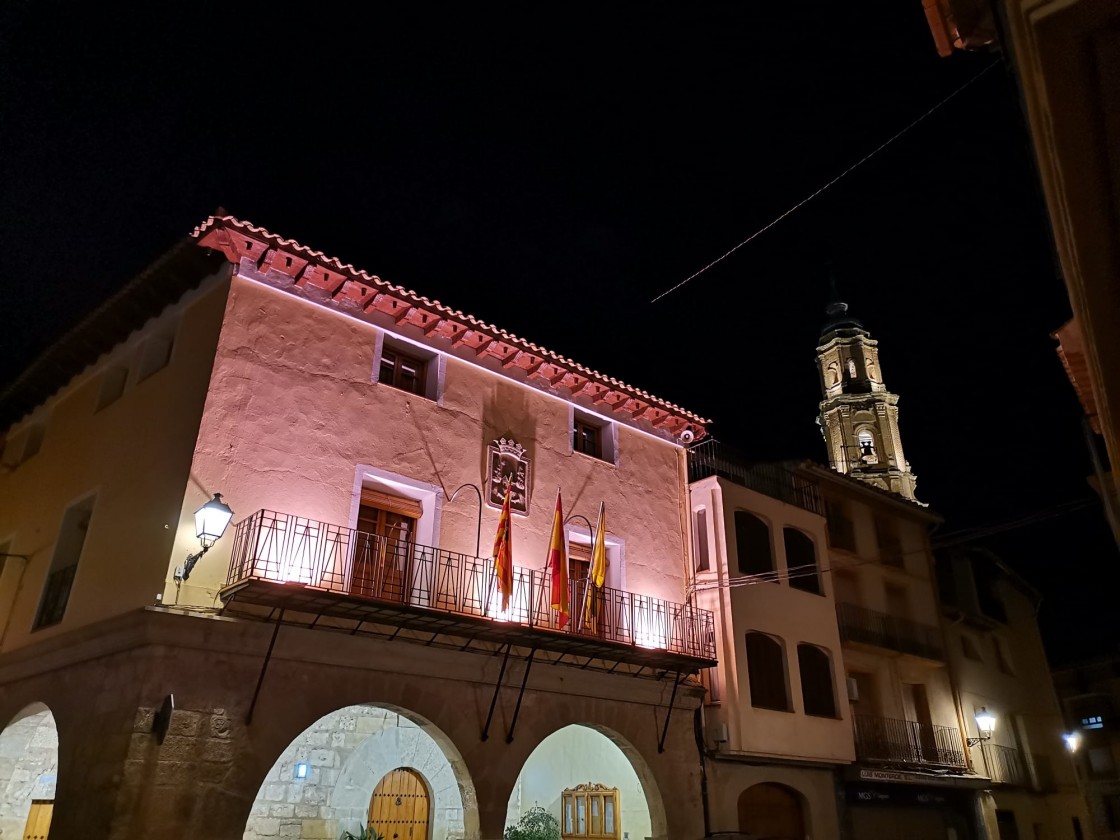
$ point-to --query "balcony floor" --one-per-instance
(309, 606)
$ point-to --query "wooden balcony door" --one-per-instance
(400, 806)
(383, 546)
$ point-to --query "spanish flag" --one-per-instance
(558, 564)
(598, 573)
(503, 553)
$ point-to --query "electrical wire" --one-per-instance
(813, 195)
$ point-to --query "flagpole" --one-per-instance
(587, 580)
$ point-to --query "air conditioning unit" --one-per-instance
(853, 690)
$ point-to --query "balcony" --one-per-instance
(907, 742)
(889, 631)
(713, 458)
(303, 567)
(1005, 765)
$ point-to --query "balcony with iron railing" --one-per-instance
(283, 562)
(1004, 764)
(892, 632)
(712, 458)
(895, 741)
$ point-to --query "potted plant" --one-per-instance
(364, 833)
(535, 824)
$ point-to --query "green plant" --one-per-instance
(535, 824)
(364, 833)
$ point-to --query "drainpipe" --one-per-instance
(698, 730)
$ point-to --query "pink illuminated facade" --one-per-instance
(358, 431)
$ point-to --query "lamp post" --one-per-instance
(1073, 741)
(210, 522)
(985, 726)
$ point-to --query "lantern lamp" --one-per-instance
(210, 522)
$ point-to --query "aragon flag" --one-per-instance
(503, 553)
(558, 564)
(598, 574)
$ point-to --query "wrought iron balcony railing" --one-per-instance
(889, 631)
(287, 549)
(1005, 764)
(907, 742)
(711, 457)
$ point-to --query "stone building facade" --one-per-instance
(361, 433)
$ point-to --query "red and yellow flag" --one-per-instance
(558, 564)
(503, 553)
(598, 573)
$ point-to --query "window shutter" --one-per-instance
(393, 504)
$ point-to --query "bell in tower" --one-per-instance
(858, 415)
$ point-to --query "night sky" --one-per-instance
(552, 168)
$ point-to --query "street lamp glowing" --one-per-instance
(1073, 741)
(985, 723)
(985, 726)
(211, 521)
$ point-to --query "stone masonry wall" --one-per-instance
(28, 769)
(348, 752)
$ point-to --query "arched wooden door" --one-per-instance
(399, 806)
(771, 812)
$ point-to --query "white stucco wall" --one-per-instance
(579, 755)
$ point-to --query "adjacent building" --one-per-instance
(343, 655)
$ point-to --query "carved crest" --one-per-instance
(507, 463)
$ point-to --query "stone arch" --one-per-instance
(772, 811)
(323, 780)
(28, 766)
(589, 752)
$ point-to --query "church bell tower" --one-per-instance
(859, 416)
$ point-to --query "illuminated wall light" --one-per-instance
(302, 769)
(1073, 741)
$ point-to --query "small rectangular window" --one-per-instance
(587, 439)
(112, 386)
(155, 354)
(24, 445)
(841, 531)
(64, 564)
(400, 370)
(700, 539)
(890, 545)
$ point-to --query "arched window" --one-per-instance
(852, 368)
(866, 442)
(766, 672)
(752, 544)
(801, 561)
(815, 668)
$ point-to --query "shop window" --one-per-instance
(815, 668)
(752, 544)
(64, 564)
(766, 672)
(801, 561)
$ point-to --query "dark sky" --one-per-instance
(553, 167)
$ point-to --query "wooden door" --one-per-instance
(772, 812)
(399, 806)
(39, 820)
(383, 549)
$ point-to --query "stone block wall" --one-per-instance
(28, 769)
(347, 753)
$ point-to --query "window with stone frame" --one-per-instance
(400, 370)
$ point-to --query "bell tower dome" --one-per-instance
(858, 415)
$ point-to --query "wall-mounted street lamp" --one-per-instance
(985, 725)
(1073, 741)
(210, 522)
